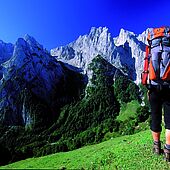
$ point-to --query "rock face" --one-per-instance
(85, 48)
(125, 52)
(6, 51)
(30, 60)
(31, 77)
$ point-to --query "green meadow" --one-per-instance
(126, 152)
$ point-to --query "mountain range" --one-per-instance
(125, 52)
(27, 66)
(68, 97)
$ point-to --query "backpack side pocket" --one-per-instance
(165, 66)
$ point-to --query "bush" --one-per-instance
(126, 90)
(111, 135)
(142, 113)
(133, 118)
(127, 127)
(142, 126)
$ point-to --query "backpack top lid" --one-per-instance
(154, 33)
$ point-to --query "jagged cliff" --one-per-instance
(125, 52)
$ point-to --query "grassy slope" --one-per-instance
(128, 110)
(126, 152)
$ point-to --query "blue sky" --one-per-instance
(57, 22)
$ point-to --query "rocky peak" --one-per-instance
(35, 85)
(143, 37)
(99, 35)
(31, 69)
(124, 36)
(125, 52)
(34, 45)
(21, 49)
(26, 50)
(81, 52)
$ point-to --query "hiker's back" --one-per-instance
(158, 56)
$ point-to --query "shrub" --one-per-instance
(127, 127)
(142, 113)
(126, 90)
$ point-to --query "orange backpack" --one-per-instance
(157, 37)
(158, 32)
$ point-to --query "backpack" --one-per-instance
(157, 67)
(157, 36)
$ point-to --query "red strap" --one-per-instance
(146, 67)
(146, 63)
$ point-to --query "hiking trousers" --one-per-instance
(159, 100)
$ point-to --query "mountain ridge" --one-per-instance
(31, 69)
(125, 52)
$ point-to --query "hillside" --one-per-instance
(126, 152)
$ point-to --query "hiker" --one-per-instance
(156, 77)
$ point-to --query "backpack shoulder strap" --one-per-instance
(145, 73)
